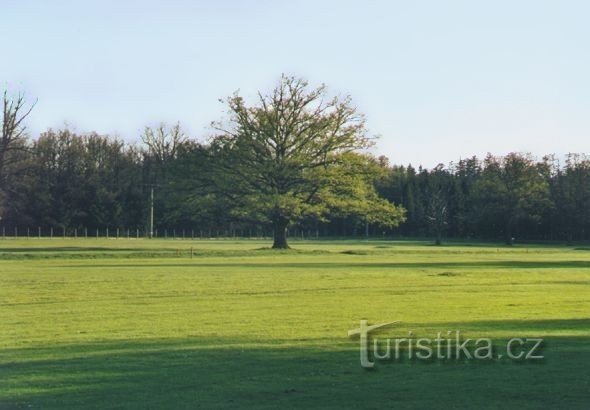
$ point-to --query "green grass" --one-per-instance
(140, 324)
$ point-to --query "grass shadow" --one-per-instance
(228, 373)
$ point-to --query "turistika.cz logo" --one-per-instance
(445, 346)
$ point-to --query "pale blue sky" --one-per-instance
(438, 80)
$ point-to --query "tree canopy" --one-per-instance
(291, 157)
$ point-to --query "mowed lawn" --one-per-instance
(142, 324)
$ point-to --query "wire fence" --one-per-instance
(137, 233)
(294, 233)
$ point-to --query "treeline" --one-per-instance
(89, 181)
(92, 181)
(291, 164)
(512, 197)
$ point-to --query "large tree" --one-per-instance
(285, 158)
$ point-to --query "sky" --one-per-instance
(437, 80)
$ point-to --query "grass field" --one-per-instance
(142, 324)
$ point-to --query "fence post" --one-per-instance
(107, 232)
(85, 233)
(15, 232)
(76, 233)
(96, 233)
(51, 232)
(39, 232)
(63, 231)
(137, 233)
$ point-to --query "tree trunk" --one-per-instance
(280, 234)
(508, 233)
(438, 240)
(570, 237)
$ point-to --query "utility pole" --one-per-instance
(152, 212)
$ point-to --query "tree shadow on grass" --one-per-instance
(229, 373)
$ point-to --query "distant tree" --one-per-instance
(285, 158)
(438, 192)
(162, 145)
(572, 196)
(163, 141)
(189, 198)
(463, 214)
(14, 112)
(512, 189)
(82, 181)
(12, 143)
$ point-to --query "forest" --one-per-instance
(316, 178)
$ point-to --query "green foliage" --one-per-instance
(570, 189)
(294, 158)
(511, 189)
(290, 157)
(81, 181)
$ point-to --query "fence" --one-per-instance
(136, 233)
